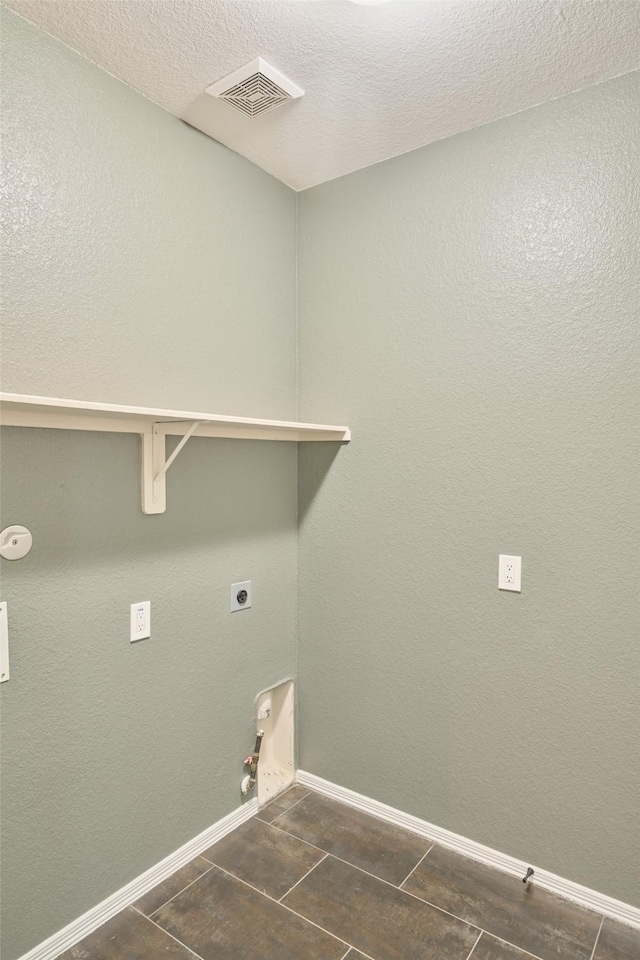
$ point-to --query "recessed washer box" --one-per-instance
(276, 770)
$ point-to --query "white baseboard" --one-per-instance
(591, 899)
(127, 895)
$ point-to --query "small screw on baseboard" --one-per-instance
(528, 875)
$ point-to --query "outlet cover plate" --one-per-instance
(509, 573)
(140, 620)
(4, 642)
(240, 598)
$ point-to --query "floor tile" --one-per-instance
(381, 848)
(172, 885)
(266, 858)
(282, 803)
(525, 915)
(617, 942)
(220, 918)
(377, 918)
(488, 948)
(128, 935)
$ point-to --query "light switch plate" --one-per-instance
(509, 573)
(240, 598)
(140, 620)
(4, 643)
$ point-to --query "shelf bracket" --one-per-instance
(155, 464)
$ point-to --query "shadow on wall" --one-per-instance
(79, 493)
(314, 463)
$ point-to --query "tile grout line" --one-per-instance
(389, 884)
(294, 837)
(420, 899)
(593, 952)
(474, 926)
(203, 874)
(170, 935)
(475, 944)
(409, 894)
(285, 811)
(508, 943)
(315, 847)
(324, 930)
(295, 914)
(575, 895)
(303, 878)
(335, 936)
(416, 866)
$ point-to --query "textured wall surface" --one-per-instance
(126, 280)
(144, 264)
(472, 311)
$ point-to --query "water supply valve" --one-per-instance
(248, 782)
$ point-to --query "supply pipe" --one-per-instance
(249, 781)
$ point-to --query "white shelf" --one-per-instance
(153, 425)
(20, 410)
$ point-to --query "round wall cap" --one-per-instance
(15, 542)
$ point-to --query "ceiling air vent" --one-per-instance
(255, 88)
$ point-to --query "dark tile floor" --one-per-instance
(311, 879)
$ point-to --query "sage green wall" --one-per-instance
(472, 311)
(145, 264)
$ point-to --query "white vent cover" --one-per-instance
(255, 88)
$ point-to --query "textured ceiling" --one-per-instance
(379, 80)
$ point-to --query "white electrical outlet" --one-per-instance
(140, 620)
(240, 598)
(509, 573)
